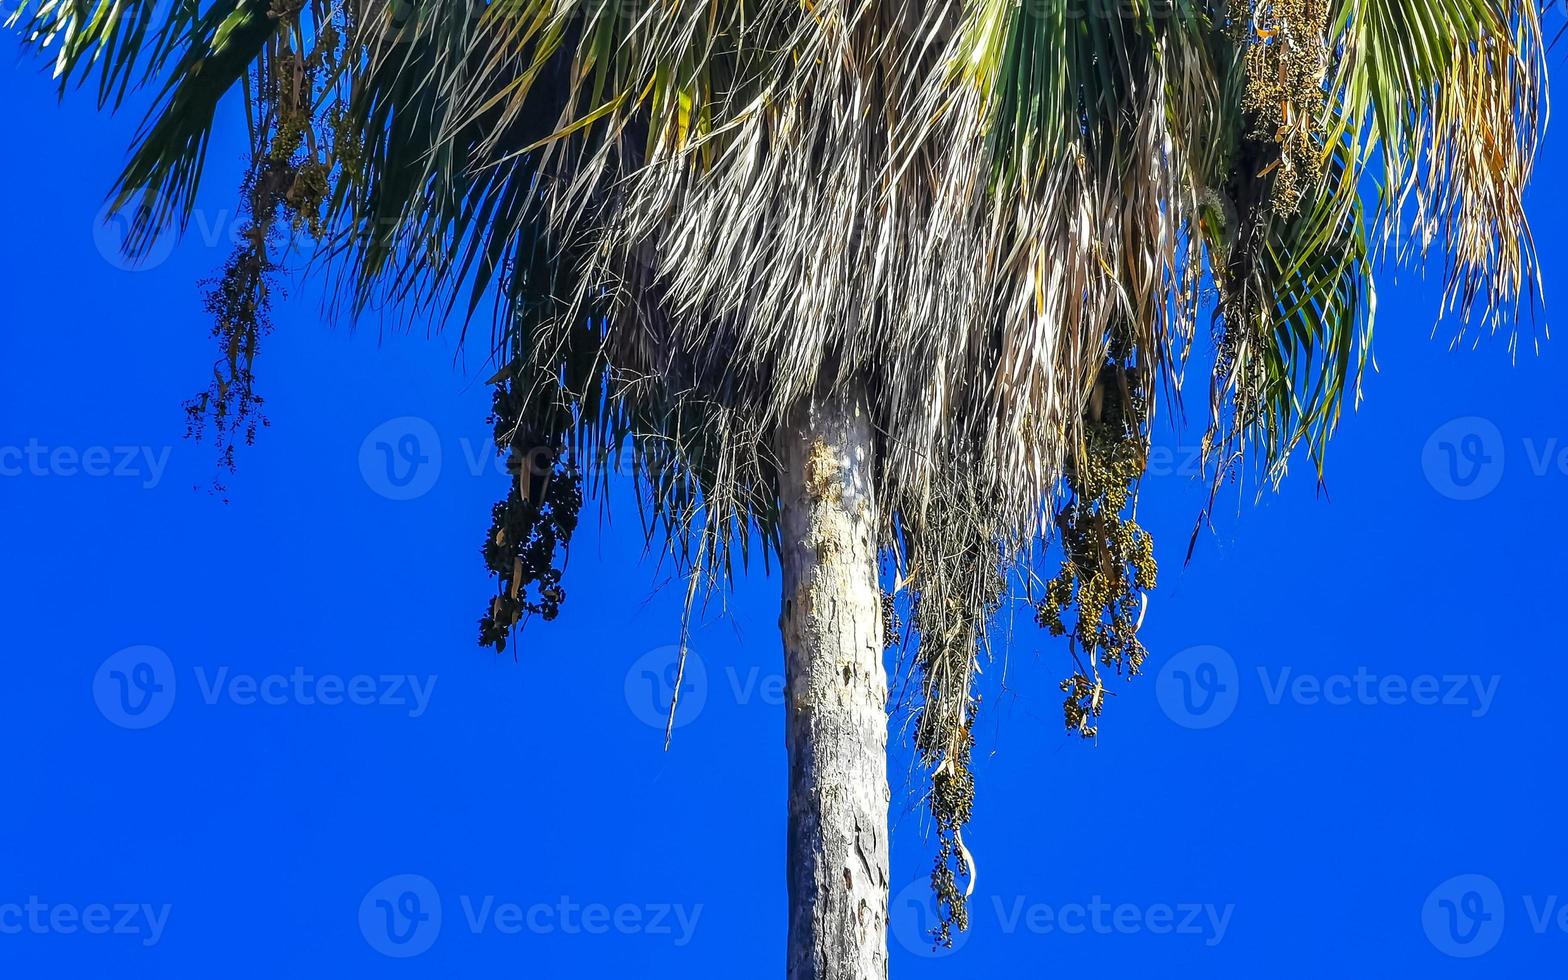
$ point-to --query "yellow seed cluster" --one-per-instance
(1287, 60)
(952, 804)
(1108, 558)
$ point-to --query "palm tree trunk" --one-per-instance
(836, 696)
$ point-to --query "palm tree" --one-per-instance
(889, 287)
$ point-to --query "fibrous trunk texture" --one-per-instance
(836, 704)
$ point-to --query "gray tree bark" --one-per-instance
(836, 695)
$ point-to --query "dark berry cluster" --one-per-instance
(531, 526)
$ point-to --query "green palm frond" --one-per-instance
(1318, 335)
(204, 54)
(165, 168)
(125, 42)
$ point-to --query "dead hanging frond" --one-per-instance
(957, 580)
(1478, 146)
(1450, 97)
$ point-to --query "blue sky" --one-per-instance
(257, 738)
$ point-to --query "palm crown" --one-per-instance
(1002, 224)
